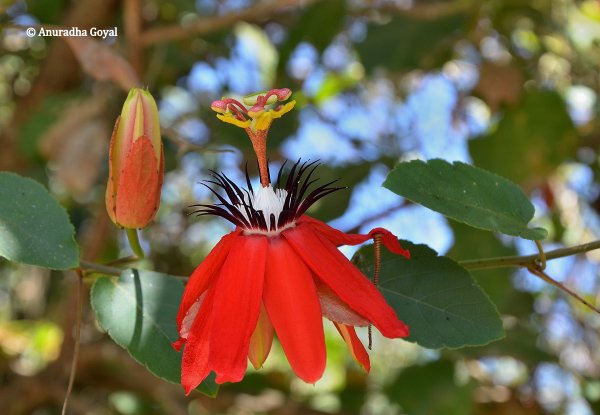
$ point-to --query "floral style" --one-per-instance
(136, 163)
(278, 272)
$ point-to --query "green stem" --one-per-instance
(99, 268)
(527, 260)
(108, 270)
(134, 242)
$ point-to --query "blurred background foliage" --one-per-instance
(509, 85)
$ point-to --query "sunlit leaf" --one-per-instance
(467, 194)
(138, 310)
(34, 228)
(438, 299)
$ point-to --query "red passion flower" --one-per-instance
(278, 272)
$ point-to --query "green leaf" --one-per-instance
(431, 389)
(467, 194)
(405, 43)
(530, 141)
(34, 228)
(438, 299)
(471, 243)
(139, 313)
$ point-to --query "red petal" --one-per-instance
(138, 187)
(346, 281)
(340, 238)
(238, 291)
(359, 353)
(203, 274)
(261, 340)
(195, 364)
(291, 300)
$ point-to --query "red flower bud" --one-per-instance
(136, 163)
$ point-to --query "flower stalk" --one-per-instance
(134, 243)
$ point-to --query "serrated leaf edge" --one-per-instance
(62, 209)
(511, 220)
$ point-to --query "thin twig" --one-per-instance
(79, 312)
(102, 269)
(527, 260)
(259, 11)
(541, 274)
(124, 260)
(108, 270)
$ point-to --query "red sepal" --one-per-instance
(261, 340)
(139, 185)
(358, 351)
